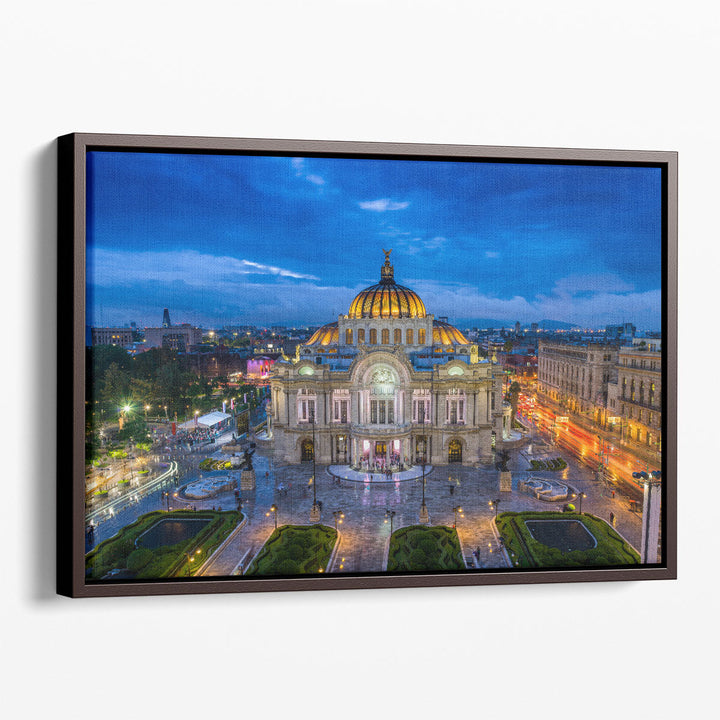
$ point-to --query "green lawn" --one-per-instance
(526, 552)
(417, 548)
(165, 561)
(295, 550)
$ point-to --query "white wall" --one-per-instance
(640, 75)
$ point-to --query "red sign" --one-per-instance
(173, 427)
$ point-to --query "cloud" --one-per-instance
(125, 268)
(383, 205)
(572, 285)
(301, 171)
(414, 246)
(492, 254)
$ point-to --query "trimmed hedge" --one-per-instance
(554, 465)
(527, 552)
(208, 465)
(120, 551)
(418, 548)
(295, 550)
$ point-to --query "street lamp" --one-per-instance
(339, 516)
(390, 515)
(191, 558)
(494, 504)
(457, 510)
(274, 510)
(579, 497)
(424, 517)
(315, 511)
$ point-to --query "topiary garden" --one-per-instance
(295, 550)
(418, 548)
(122, 552)
(527, 552)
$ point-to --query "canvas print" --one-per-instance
(321, 365)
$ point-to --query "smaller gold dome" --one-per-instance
(446, 334)
(326, 335)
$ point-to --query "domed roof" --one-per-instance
(446, 334)
(387, 299)
(326, 335)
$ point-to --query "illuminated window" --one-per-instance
(348, 337)
(373, 336)
(397, 336)
(361, 336)
(421, 336)
(385, 336)
(409, 336)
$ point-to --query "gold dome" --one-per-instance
(446, 334)
(326, 335)
(387, 299)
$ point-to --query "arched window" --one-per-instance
(409, 336)
(348, 336)
(361, 336)
(421, 336)
(373, 336)
(385, 336)
(397, 336)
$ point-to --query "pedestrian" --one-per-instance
(613, 493)
(612, 519)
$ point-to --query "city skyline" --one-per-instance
(229, 240)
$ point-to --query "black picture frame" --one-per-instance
(72, 154)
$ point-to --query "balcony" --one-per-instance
(380, 430)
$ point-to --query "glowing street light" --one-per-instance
(495, 503)
(274, 510)
(390, 515)
(457, 510)
(339, 516)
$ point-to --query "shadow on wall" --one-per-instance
(42, 390)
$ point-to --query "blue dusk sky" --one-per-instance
(228, 239)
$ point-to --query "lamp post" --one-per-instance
(424, 516)
(315, 511)
(191, 558)
(580, 497)
(390, 515)
(494, 504)
(457, 510)
(274, 510)
(339, 516)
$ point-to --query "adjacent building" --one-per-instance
(635, 399)
(577, 375)
(386, 385)
(122, 337)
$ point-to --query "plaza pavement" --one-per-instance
(364, 533)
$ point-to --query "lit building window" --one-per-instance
(421, 336)
(385, 336)
(361, 336)
(373, 336)
(348, 336)
(409, 336)
(397, 336)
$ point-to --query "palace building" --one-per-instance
(386, 386)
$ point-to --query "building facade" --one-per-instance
(122, 337)
(635, 400)
(386, 386)
(577, 376)
(174, 337)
